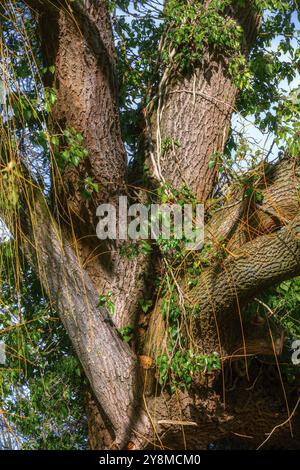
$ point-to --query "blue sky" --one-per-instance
(255, 136)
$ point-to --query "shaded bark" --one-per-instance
(254, 407)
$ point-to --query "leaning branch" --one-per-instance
(108, 363)
(226, 286)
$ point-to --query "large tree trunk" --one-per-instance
(126, 407)
(82, 51)
(193, 112)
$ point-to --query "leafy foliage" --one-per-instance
(126, 333)
(41, 382)
(71, 152)
(192, 27)
(284, 301)
(105, 300)
(180, 365)
(184, 367)
(41, 388)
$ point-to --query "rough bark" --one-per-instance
(110, 366)
(83, 54)
(112, 369)
(79, 42)
(196, 112)
(223, 289)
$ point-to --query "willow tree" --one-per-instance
(180, 349)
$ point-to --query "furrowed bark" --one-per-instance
(78, 40)
(109, 364)
(194, 113)
(224, 288)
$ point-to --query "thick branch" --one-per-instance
(108, 362)
(193, 112)
(241, 219)
(223, 288)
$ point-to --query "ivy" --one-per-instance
(105, 300)
(183, 367)
(192, 27)
(179, 366)
(284, 301)
(89, 188)
(126, 333)
(69, 151)
(132, 249)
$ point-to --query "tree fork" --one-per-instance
(112, 369)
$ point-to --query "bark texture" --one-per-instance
(126, 406)
(78, 41)
(193, 113)
(110, 366)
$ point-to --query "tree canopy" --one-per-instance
(153, 100)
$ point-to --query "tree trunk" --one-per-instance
(126, 407)
(82, 51)
(193, 113)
